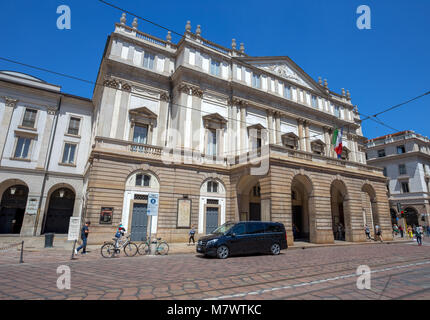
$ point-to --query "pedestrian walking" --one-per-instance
(395, 230)
(367, 230)
(428, 231)
(192, 233)
(378, 233)
(418, 234)
(401, 231)
(84, 237)
(410, 235)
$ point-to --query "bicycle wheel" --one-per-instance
(130, 249)
(143, 248)
(108, 250)
(163, 248)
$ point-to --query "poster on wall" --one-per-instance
(32, 206)
(184, 213)
(106, 214)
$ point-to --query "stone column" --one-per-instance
(327, 131)
(300, 131)
(270, 126)
(278, 127)
(10, 105)
(46, 137)
(243, 133)
(353, 155)
(307, 137)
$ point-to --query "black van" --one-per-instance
(244, 238)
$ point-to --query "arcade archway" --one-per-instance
(13, 204)
(60, 209)
(301, 189)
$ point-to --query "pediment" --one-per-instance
(143, 112)
(215, 117)
(257, 126)
(285, 68)
(290, 135)
(318, 141)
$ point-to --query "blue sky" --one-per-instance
(381, 67)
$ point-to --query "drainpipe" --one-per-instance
(48, 161)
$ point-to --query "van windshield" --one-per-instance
(223, 228)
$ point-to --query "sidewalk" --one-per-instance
(184, 248)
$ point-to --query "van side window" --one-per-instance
(238, 229)
(253, 228)
(273, 228)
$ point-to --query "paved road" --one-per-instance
(399, 271)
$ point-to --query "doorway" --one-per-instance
(60, 209)
(13, 204)
(139, 222)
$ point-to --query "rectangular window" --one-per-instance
(402, 169)
(22, 148)
(385, 171)
(381, 153)
(74, 126)
(287, 92)
(140, 134)
(29, 118)
(256, 82)
(215, 68)
(69, 153)
(212, 143)
(314, 102)
(148, 60)
(337, 111)
(405, 187)
(401, 149)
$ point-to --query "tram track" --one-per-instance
(293, 277)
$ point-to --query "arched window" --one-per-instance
(212, 186)
(142, 180)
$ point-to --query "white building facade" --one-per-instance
(44, 144)
(405, 159)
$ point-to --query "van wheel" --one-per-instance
(275, 249)
(222, 252)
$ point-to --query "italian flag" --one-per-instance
(337, 141)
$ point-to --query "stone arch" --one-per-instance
(144, 167)
(369, 205)
(245, 202)
(13, 203)
(411, 216)
(60, 204)
(340, 209)
(154, 184)
(303, 207)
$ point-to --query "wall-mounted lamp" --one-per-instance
(61, 193)
(12, 190)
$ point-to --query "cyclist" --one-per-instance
(119, 233)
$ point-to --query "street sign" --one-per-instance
(152, 209)
(74, 228)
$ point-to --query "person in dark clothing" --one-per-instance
(84, 236)
(401, 231)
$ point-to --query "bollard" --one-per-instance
(73, 252)
(21, 259)
(153, 248)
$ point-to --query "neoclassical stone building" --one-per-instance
(218, 135)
